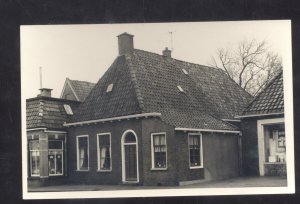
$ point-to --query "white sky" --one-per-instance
(85, 52)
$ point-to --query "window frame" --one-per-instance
(62, 159)
(30, 158)
(201, 150)
(98, 153)
(152, 151)
(77, 152)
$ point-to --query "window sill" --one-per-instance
(196, 167)
(159, 169)
(82, 170)
(104, 170)
(55, 175)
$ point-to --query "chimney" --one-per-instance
(45, 92)
(125, 42)
(166, 52)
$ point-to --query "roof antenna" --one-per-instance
(171, 35)
(41, 82)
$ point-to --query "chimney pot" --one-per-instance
(45, 92)
(125, 42)
(166, 52)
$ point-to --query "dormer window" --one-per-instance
(180, 89)
(68, 109)
(184, 71)
(109, 88)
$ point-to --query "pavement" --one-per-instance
(228, 183)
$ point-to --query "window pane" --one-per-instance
(104, 152)
(159, 151)
(130, 137)
(55, 144)
(83, 153)
(59, 163)
(35, 162)
(194, 146)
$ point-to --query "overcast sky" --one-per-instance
(85, 52)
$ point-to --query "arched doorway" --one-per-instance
(130, 172)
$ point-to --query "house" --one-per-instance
(47, 137)
(76, 90)
(263, 128)
(155, 120)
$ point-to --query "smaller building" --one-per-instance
(264, 150)
(47, 137)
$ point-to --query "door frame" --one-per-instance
(123, 157)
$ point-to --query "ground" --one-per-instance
(229, 183)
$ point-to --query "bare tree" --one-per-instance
(251, 65)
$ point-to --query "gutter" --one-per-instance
(257, 115)
(206, 130)
(127, 117)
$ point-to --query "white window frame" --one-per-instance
(30, 158)
(152, 151)
(98, 152)
(88, 152)
(201, 150)
(62, 158)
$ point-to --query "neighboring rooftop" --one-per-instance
(76, 90)
(47, 112)
(270, 100)
(145, 82)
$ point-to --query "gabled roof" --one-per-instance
(269, 100)
(146, 82)
(79, 89)
(47, 112)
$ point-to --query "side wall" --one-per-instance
(93, 176)
(220, 157)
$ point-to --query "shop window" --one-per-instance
(159, 151)
(55, 157)
(104, 152)
(82, 153)
(195, 150)
(34, 154)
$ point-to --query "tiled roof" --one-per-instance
(147, 82)
(81, 88)
(47, 112)
(270, 100)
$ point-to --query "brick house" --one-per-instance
(263, 129)
(153, 120)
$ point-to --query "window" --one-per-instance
(82, 153)
(195, 150)
(109, 88)
(55, 157)
(68, 109)
(184, 71)
(180, 89)
(104, 152)
(34, 155)
(159, 151)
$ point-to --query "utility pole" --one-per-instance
(171, 35)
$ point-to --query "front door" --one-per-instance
(129, 158)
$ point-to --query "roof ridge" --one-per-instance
(135, 84)
(182, 61)
(81, 81)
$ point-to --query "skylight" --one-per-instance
(68, 109)
(180, 89)
(184, 71)
(109, 88)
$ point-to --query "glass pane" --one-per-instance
(83, 153)
(130, 163)
(160, 159)
(51, 158)
(55, 144)
(59, 163)
(35, 162)
(130, 138)
(104, 140)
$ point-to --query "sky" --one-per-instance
(85, 52)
